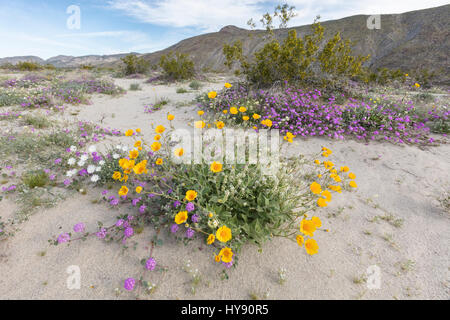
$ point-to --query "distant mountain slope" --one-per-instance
(14, 60)
(416, 39)
(69, 61)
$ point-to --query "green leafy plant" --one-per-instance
(35, 178)
(178, 67)
(296, 58)
(135, 64)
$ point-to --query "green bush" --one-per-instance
(178, 67)
(181, 90)
(38, 121)
(135, 87)
(195, 85)
(28, 66)
(134, 64)
(37, 178)
(297, 58)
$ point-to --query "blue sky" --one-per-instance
(118, 26)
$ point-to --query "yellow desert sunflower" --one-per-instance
(223, 234)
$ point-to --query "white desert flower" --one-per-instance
(125, 148)
(95, 178)
(84, 157)
(92, 149)
(116, 156)
(91, 169)
(70, 173)
(102, 162)
(81, 163)
(73, 149)
(119, 147)
(98, 169)
(71, 161)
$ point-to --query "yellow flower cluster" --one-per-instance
(316, 188)
(307, 228)
(289, 137)
(267, 122)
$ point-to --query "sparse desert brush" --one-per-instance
(161, 102)
(28, 66)
(11, 97)
(195, 85)
(35, 178)
(178, 67)
(297, 58)
(134, 64)
(134, 87)
(181, 90)
(226, 205)
(37, 121)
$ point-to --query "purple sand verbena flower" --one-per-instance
(79, 227)
(190, 207)
(101, 234)
(63, 238)
(189, 233)
(129, 284)
(174, 228)
(128, 232)
(176, 203)
(150, 264)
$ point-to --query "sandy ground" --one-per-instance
(404, 181)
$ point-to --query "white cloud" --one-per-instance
(202, 14)
(211, 15)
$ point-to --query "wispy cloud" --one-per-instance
(211, 15)
(206, 15)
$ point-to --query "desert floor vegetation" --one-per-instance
(363, 169)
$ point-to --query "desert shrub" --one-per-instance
(424, 77)
(73, 91)
(382, 76)
(9, 97)
(28, 66)
(134, 64)
(195, 85)
(178, 67)
(135, 87)
(161, 102)
(296, 58)
(38, 121)
(181, 90)
(227, 205)
(40, 100)
(424, 97)
(36, 149)
(35, 178)
(86, 67)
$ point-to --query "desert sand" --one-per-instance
(404, 182)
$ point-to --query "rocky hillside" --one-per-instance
(69, 61)
(416, 39)
(14, 60)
